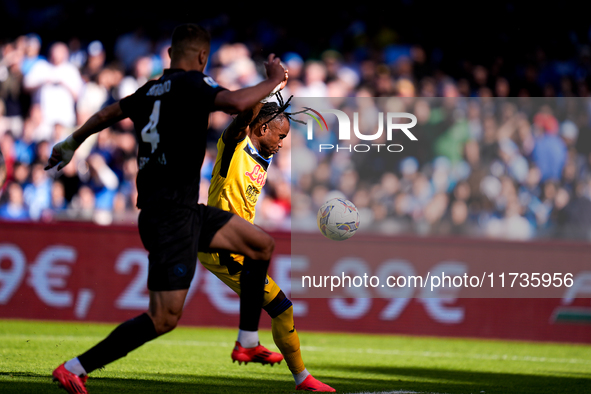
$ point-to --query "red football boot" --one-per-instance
(257, 354)
(70, 382)
(312, 384)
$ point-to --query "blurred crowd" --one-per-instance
(508, 168)
(499, 169)
(43, 98)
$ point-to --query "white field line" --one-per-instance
(384, 352)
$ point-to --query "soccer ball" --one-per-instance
(338, 219)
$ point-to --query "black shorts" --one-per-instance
(172, 235)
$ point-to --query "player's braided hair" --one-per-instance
(272, 110)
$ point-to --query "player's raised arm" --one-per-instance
(63, 151)
(238, 129)
(240, 100)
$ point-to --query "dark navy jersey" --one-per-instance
(171, 116)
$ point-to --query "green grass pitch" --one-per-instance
(197, 360)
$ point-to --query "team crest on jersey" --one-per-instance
(211, 82)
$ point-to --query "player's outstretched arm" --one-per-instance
(63, 151)
(240, 100)
(238, 129)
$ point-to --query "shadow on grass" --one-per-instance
(377, 379)
(454, 381)
(24, 383)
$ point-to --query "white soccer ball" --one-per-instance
(338, 219)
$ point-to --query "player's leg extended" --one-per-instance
(239, 236)
(227, 268)
(284, 333)
(169, 234)
(164, 312)
(166, 309)
(287, 340)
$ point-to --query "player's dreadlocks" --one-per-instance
(272, 110)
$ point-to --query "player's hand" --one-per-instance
(62, 153)
(278, 88)
(284, 82)
(275, 70)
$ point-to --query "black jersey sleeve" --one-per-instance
(207, 88)
(131, 104)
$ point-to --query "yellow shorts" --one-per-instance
(225, 267)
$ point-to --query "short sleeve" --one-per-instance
(129, 105)
(208, 88)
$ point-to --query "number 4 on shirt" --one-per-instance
(150, 132)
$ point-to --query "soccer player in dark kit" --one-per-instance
(170, 116)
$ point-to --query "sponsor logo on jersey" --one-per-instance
(252, 194)
(257, 175)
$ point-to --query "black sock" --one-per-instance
(252, 292)
(125, 338)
